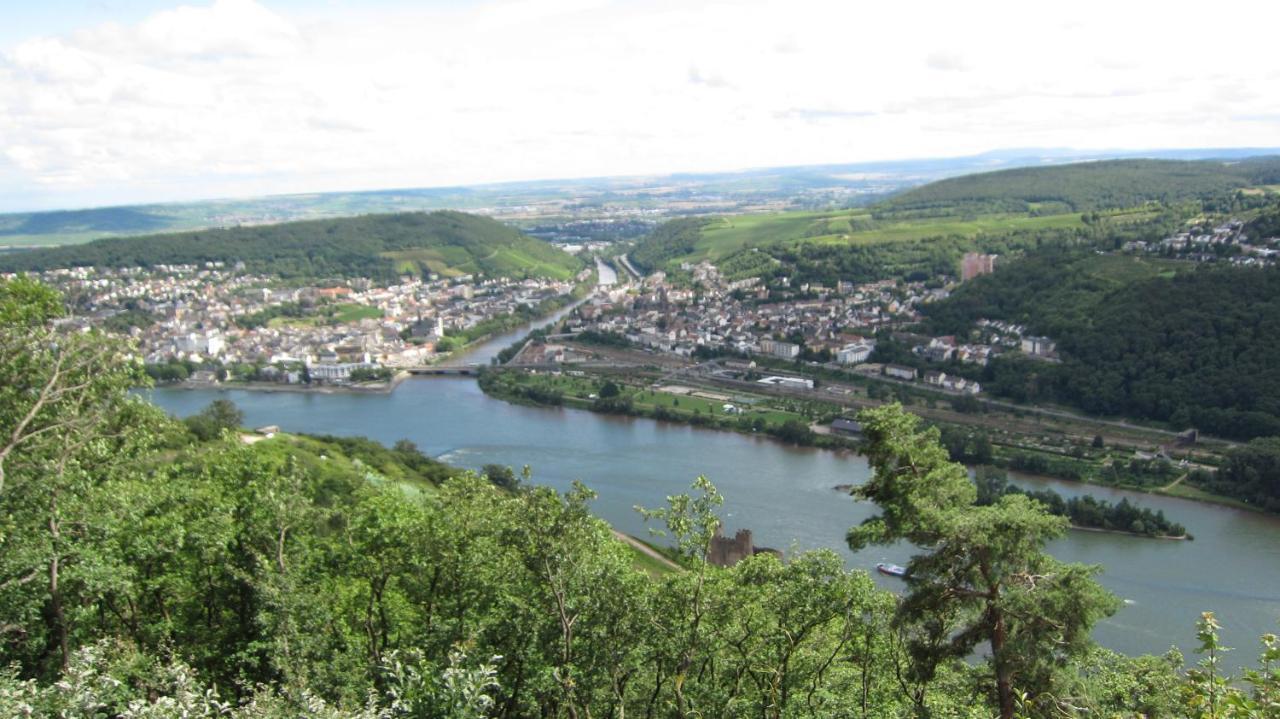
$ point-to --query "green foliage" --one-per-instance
(1053, 290)
(372, 374)
(502, 476)
(128, 319)
(1086, 511)
(1210, 694)
(337, 578)
(1194, 350)
(259, 319)
(28, 304)
(986, 577)
(381, 247)
(1251, 473)
(669, 240)
(219, 416)
(67, 422)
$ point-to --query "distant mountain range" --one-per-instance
(690, 193)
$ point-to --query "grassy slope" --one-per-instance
(448, 243)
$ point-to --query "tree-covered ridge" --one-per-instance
(1193, 346)
(1052, 290)
(375, 246)
(668, 240)
(1090, 185)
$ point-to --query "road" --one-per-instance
(646, 550)
(626, 265)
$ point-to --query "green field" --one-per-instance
(351, 312)
(345, 313)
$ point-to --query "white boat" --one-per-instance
(892, 570)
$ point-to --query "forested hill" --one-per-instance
(1197, 348)
(1089, 185)
(377, 246)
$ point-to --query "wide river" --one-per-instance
(785, 495)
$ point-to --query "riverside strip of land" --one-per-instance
(731, 395)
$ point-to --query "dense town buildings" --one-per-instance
(229, 323)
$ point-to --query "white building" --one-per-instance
(856, 352)
(900, 372)
(791, 382)
(1040, 346)
(783, 350)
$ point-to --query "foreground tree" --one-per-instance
(68, 429)
(984, 577)
(220, 415)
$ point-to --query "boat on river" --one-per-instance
(892, 570)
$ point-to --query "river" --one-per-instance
(785, 494)
(484, 352)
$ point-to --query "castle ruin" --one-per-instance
(726, 552)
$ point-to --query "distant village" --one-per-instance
(1225, 242)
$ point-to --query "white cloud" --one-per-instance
(236, 97)
(946, 60)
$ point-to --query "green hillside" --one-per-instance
(1025, 202)
(379, 246)
(1159, 339)
(720, 238)
(1090, 185)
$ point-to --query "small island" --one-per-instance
(1086, 512)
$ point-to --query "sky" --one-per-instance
(108, 102)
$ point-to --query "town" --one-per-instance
(706, 315)
(215, 322)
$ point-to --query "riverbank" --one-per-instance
(269, 387)
(1183, 538)
(1060, 449)
(848, 489)
(543, 390)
